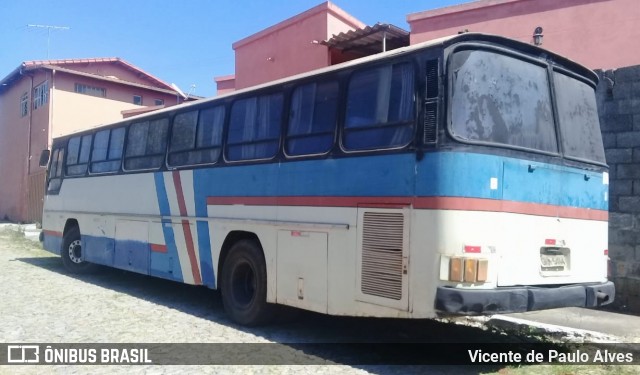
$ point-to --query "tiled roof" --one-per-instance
(152, 82)
(65, 62)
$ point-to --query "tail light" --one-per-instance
(465, 269)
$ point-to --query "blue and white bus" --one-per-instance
(465, 175)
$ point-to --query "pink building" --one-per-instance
(289, 47)
(597, 33)
(321, 36)
(41, 100)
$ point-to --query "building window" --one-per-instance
(40, 95)
(137, 100)
(159, 102)
(24, 104)
(100, 92)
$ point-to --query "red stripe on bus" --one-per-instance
(52, 233)
(389, 202)
(158, 248)
(186, 228)
(177, 182)
(431, 203)
(494, 205)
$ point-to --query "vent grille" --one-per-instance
(432, 79)
(430, 126)
(430, 122)
(382, 242)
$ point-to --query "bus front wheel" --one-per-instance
(72, 255)
(244, 285)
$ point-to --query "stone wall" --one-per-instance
(618, 97)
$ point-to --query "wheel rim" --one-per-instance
(75, 252)
(243, 285)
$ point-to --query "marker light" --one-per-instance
(483, 267)
(470, 269)
(455, 269)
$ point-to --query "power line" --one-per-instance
(49, 28)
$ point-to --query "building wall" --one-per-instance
(16, 134)
(284, 52)
(287, 48)
(225, 84)
(619, 109)
(73, 112)
(114, 91)
(596, 33)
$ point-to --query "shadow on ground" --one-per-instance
(416, 341)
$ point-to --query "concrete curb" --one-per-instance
(531, 328)
(551, 331)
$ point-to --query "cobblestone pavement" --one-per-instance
(41, 303)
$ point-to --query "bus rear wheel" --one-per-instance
(244, 285)
(72, 255)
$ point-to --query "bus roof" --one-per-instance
(444, 42)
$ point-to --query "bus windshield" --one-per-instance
(499, 99)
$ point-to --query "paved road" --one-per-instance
(40, 302)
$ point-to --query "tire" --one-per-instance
(71, 253)
(244, 285)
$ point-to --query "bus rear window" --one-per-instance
(579, 124)
(501, 100)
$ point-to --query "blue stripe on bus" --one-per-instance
(98, 250)
(204, 239)
(131, 256)
(52, 243)
(443, 174)
(468, 175)
(206, 262)
(172, 259)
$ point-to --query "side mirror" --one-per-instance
(44, 158)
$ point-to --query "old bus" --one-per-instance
(465, 175)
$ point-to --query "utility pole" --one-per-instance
(49, 28)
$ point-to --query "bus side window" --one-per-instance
(107, 151)
(254, 128)
(146, 143)
(196, 139)
(380, 108)
(78, 155)
(55, 172)
(312, 119)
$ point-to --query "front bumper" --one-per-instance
(520, 299)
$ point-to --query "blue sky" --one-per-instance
(185, 42)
